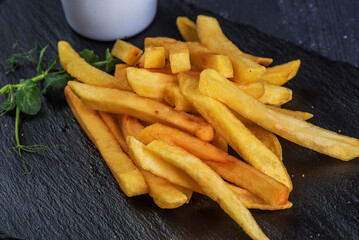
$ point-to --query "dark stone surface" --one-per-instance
(329, 27)
(72, 195)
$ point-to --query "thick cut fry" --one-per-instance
(219, 142)
(149, 84)
(176, 52)
(185, 191)
(155, 57)
(297, 114)
(125, 172)
(202, 58)
(121, 76)
(268, 139)
(163, 193)
(212, 184)
(224, 164)
(280, 74)
(146, 109)
(174, 97)
(210, 33)
(275, 95)
(255, 90)
(84, 72)
(253, 202)
(234, 132)
(66, 53)
(154, 164)
(112, 123)
(291, 128)
(130, 126)
(187, 29)
(126, 52)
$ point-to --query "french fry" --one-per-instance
(212, 184)
(146, 109)
(202, 58)
(268, 139)
(125, 172)
(163, 193)
(275, 95)
(185, 191)
(291, 128)
(255, 90)
(155, 57)
(280, 74)
(174, 97)
(176, 52)
(130, 126)
(121, 76)
(224, 164)
(66, 53)
(154, 164)
(219, 142)
(112, 123)
(297, 114)
(234, 132)
(187, 29)
(210, 33)
(126, 52)
(149, 84)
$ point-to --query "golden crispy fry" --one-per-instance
(149, 161)
(146, 109)
(210, 33)
(126, 173)
(176, 52)
(121, 76)
(155, 57)
(268, 139)
(275, 95)
(212, 184)
(149, 84)
(66, 53)
(280, 74)
(130, 126)
(202, 58)
(225, 165)
(185, 191)
(163, 193)
(253, 202)
(187, 29)
(297, 114)
(219, 142)
(140, 62)
(234, 132)
(126, 52)
(284, 125)
(84, 72)
(255, 90)
(174, 97)
(112, 123)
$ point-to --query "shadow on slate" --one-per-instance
(72, 194)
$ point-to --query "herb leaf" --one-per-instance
(56, 80)
(28, 98)
(89, 56)
(111, 61)
(15, 60)
(9, 103)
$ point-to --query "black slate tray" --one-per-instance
(72, 194)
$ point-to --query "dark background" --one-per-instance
(71, 193)
(328, 27)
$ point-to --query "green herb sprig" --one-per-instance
(25, 96)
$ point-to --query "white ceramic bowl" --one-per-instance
(107, 20)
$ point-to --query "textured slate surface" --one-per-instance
(71, 193)
(327, 26)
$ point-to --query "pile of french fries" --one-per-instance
(163, 122)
